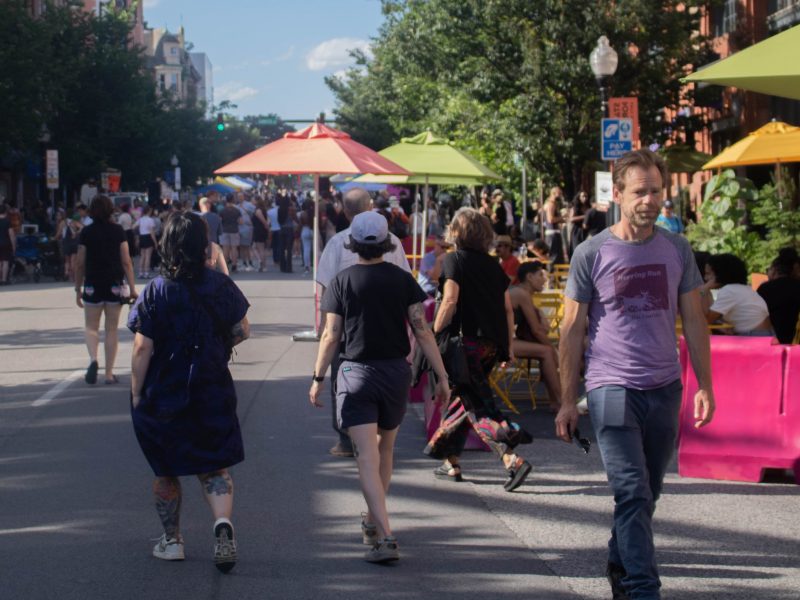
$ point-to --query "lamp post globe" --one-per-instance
(603, 61)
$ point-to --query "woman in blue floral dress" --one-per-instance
(183, 400)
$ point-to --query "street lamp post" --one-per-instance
(603, 61)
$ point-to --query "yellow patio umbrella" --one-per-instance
(775, 142)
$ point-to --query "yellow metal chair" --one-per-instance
(560, 275)
(503, 379)
(551, 305)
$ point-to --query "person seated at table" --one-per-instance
(538, 250)
(508, 262)
(781, 292)
(531, 331)
(736, 302)
(430, 267)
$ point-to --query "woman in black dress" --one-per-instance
(102, 264)
(477, 307)
(183, 401)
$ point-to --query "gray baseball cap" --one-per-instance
(369, 227)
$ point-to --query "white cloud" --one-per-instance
(150, 3)
(334, 53)
(234, 91)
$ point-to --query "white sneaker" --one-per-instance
(224, 546)
(583, 405)
(169, 548)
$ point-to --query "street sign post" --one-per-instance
(617, 138)
(603, 186)
(626, 108)
(51, 169)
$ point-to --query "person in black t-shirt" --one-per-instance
(103, 262)
(369, 304)
(782, 295)
(476, 306)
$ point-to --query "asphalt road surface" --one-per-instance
(77, 520)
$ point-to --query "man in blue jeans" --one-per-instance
(629, 282)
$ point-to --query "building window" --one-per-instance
(173, 81)
(724, 18)
(173, 50)
(162, 84)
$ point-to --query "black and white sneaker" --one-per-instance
(224, 545)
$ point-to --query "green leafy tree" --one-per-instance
(512, 76)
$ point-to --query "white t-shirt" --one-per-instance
(272, 215)
(740, 306)
(147, 225)
(125, 221)
(336, 258)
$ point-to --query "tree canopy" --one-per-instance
(73, 80)
(511, 77)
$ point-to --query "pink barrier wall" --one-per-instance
(757, 422)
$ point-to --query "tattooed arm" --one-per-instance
(142, 353)
(328, 346)
(240, 331)
(426, 341)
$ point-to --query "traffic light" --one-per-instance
(220, 122)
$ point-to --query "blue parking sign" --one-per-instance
(617, 137)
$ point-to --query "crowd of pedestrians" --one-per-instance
(627, 286)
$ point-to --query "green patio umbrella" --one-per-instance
(769, 67)
(684, 159)
(432, 160)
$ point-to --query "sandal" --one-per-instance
(517, 473)
(114, 379)
(448, 472)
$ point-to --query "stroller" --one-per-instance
(36, 255)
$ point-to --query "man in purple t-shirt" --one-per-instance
(629, 282)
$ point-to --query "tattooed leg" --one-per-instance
(218, 491)
(167, 491)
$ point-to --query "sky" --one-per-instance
(271, 56)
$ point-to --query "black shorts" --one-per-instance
(374, 391)
(145, 241)
(260, 236)
(6, 255)
(101, 293)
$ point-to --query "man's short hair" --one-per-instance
(355, 201)
(525, 268)
(643, 159)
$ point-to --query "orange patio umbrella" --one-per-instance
(318, 150)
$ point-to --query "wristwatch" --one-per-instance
(317, 379)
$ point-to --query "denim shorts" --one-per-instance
(374, 391)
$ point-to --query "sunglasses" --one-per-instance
(581, 442)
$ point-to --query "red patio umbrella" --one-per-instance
(318, 150)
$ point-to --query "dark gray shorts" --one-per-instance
(374, 391)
